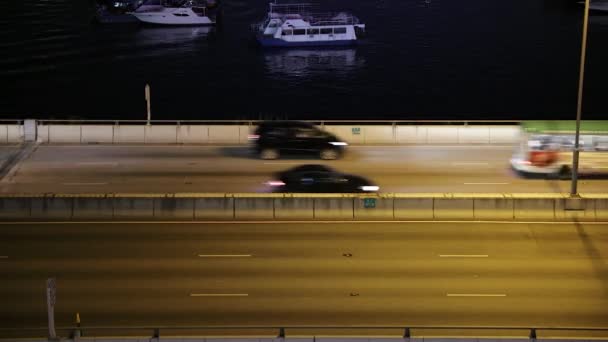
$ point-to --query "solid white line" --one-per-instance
(485, 183)
(469, 163)
(463, 255)
(219, 295)
(225, 255)
(296, 222)
(476, 295)
(85, 183)
(98, 163)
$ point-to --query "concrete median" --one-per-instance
(453, 207)
(94, 207)
(15, 208)
(331, 207)
(54, 207)
(374, 208)
(493, 207)
(253, 207)
(294, 208)
(362, 207)
(174, 208)
(133, 207)
(534, 208)
(213, 207)
(413, 207)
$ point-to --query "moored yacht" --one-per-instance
(178, 12)
(294, 24)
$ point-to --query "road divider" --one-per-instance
(298, 207)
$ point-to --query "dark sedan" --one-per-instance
(320, 179)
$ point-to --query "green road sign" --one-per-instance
(369, 203)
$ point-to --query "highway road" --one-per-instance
(434, 273)
(107, 168)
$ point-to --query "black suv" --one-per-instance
(272, 138)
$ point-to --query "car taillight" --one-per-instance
(253, 137)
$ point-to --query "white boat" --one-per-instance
(178, 12)
(597, 5)
(294, 24)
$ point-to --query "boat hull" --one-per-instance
(169, 19)
(274, 42)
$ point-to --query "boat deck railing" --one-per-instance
(320, 19)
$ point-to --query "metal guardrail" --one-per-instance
(281, 331)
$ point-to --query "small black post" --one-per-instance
(533, 334)
(156, 333)
(281, 332)
(407, 333)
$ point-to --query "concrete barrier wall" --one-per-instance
(189, 134)
(182, 337)
(97, 134)
(237, 134)
(58, 134)
(188, 207)
(3, 134)
(129, 134)
(14, 134)
(161, 134)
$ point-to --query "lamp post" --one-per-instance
(147, 91)
(579, 105)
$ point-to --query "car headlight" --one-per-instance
(369, 188)
(338, 143)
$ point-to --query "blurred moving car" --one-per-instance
(273, 138)
(318, 179)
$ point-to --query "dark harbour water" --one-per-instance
(445, 59)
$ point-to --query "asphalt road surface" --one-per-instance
(306, 273)
(102, 169)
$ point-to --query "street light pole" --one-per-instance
(579, 105)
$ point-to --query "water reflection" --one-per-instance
(305, 62)
(157, 35)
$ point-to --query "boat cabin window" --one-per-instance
(286, 32)
(299, 32)
(273, 24)
(326, 30)
(339, 30)
(313, 31)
